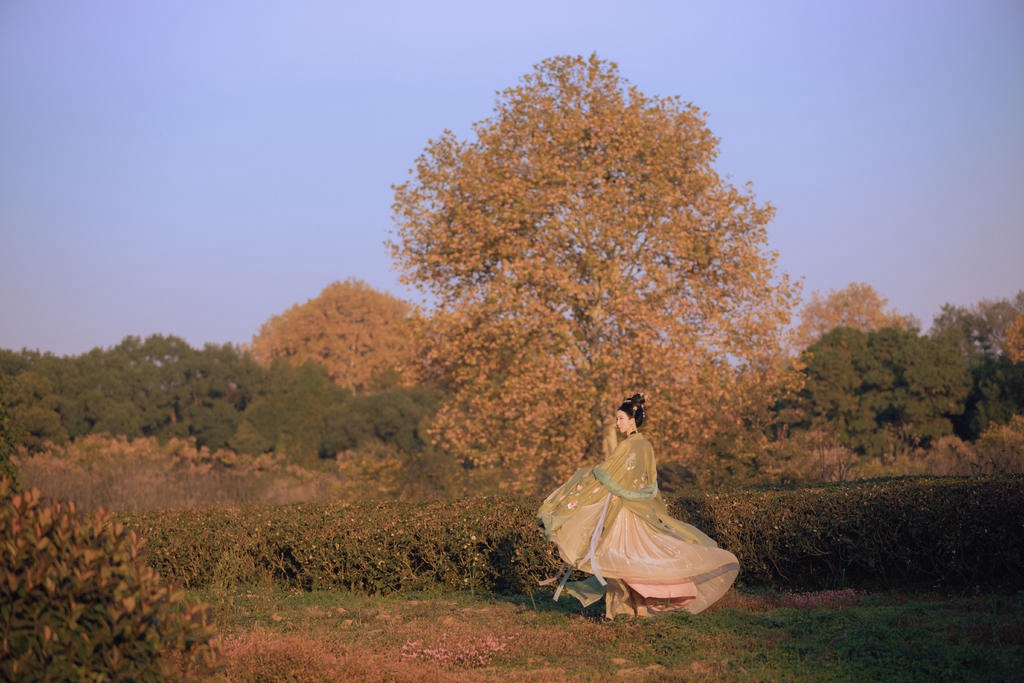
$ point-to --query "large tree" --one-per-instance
(581, 246)
(361, 336)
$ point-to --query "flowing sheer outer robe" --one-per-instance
(611, 521)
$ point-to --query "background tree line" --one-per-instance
(577, 247)
(224, 397)
(873, 389)
(877, 389)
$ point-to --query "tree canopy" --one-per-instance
(361, 336)
(883, 391)
(1013, 345)
(858, 306)
(579, 247)
(984, 330)
(217, 396)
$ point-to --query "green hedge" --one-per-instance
(485, 544)
(907, 533)
(952, 534)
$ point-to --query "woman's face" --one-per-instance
(625, 423)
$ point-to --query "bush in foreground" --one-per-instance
(77, 601)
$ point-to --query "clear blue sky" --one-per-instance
(196, 167)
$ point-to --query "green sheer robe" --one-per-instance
(611, 521)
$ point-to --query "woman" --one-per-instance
(611, 521)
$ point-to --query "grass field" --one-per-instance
(270, 634)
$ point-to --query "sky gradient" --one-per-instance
(194, 168)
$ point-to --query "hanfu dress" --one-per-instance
(611, 521)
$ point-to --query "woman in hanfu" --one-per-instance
(611, 521)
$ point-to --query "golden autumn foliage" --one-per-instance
(858, 305)
(581, 247)
(361, 336)
(1014, 344)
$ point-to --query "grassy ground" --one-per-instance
(269, 635)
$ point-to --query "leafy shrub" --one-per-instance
(485, 544)
(77, 601)
(901, 533)
(954, 533)
(1001, 446)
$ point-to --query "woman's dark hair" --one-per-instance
(634, 408)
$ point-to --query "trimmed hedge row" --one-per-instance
(953, 534)
(485, 544)
(907, 533)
